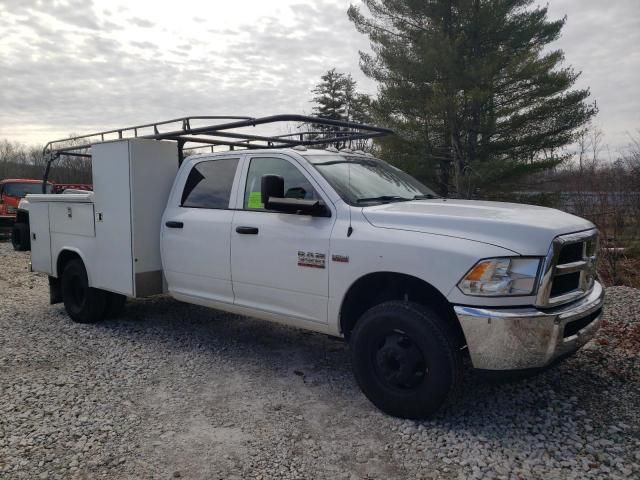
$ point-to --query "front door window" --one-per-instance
(296, 184)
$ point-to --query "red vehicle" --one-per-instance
(12, 190)
(61, 187)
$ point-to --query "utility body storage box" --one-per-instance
(115, 229)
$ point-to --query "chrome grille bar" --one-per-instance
(586, 266)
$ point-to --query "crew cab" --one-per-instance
(333, 241)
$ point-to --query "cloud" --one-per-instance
(141, 22)
(77, 13)
(601, 41)
(144, 45)
(95, 79)
(69, 67)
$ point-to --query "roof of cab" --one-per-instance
(226, 153)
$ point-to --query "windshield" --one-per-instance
(365, 180)
(20, 190)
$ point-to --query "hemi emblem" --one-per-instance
(340, 258)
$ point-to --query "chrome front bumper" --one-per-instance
(523, 338)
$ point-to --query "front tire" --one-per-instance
(83, 303)
(405, 359)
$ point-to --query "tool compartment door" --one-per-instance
(72, 218)
(113, 265)
(40, 237)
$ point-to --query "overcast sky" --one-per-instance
(83, 65)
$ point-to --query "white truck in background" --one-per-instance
(328, 240)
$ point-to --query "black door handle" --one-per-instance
(173, 224)
(247, 230)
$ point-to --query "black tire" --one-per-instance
(115, 304)
(83, 303)
(405, 359)
(20, 237)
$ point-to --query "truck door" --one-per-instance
(279, 260)
(196, 232)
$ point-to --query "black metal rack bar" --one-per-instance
(220, 134)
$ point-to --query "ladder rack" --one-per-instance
(221, 131)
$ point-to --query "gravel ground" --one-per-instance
(171, 390)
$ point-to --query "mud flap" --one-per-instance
(55, 293)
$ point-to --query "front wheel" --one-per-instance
(83, 303)
(405, 359)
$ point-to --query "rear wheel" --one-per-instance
(83, 303)
(405, 359)
(20, 237)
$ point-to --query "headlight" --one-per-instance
(496, 277)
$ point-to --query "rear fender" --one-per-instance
(57, 273)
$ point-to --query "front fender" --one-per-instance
(438, 260)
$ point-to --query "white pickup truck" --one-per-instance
(332, 241)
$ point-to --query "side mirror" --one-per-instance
(272, 187)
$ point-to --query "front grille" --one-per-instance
(571, 253)
(574, 327)
(569, 270)
(565, 284)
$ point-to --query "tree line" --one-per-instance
(24, 161)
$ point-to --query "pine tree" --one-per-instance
(472, 89)
(357, 105)
(330, 96)
(336, 98)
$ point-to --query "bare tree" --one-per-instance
(21, 161)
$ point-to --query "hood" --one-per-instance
(524, 229)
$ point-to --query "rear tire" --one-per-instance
(20, 237)
(83, 303)
(405, 359)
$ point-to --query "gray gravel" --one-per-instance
(171, 390)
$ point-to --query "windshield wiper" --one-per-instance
(383, 198)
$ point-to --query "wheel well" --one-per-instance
(376, 288)
(65, 257)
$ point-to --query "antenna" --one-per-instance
(350, 229)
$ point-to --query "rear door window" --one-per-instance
(209, 184)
